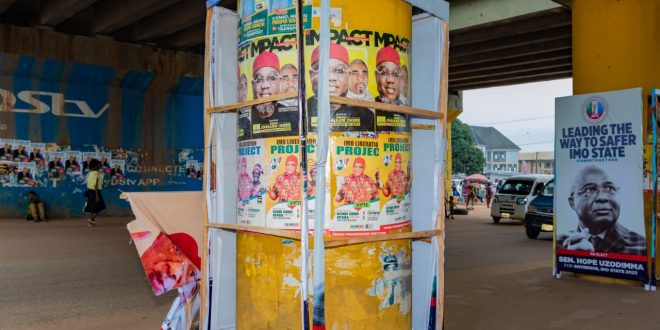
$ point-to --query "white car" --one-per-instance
(514, 196)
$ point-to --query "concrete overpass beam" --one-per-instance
(469, 13)
(55, 12)
(169, 20)
(111, 16)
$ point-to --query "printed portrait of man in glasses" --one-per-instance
(595, 198)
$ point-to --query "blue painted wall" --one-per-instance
(153, 133)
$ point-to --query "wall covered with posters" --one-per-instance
(56, 116)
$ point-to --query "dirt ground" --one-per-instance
(497, 278)
(65, 275)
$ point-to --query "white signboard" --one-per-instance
(599, 194)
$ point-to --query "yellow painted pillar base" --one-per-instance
(616, 45)
(368, 286)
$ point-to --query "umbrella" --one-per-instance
(480, 178)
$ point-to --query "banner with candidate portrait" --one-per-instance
(394, 180)
(355, 205)
(284, 183)
(251, 190)
(599, 206)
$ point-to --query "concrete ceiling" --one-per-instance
(529, 48)
(523, 48)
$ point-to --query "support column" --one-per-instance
(616, 45)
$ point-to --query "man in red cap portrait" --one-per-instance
(344, 117)
(244, 181)
(397, 180)
(266, 75)
(357, 187)
(272, 118)
(171, 261)
(388, 73)
(288, 184)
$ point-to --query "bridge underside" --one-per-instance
(523, 48)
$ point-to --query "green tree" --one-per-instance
(466, 157)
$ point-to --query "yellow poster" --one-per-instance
(284, 190)
(354, 188)
(394, 180)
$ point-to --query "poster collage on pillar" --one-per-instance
(24, 163)
(368, 179)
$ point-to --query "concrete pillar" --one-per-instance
(616, 45)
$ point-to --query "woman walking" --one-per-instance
(95, 203)
(489, 194)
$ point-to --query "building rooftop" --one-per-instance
(491, 138)
(539, 155)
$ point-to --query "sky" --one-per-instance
(524, 113)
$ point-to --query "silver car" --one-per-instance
(514, 196)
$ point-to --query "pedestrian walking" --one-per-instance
(471, 196)
(95, 202)
(489, 194)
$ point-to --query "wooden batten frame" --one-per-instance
(424, 127)
(440, 224)
(267, 99)
(419, 235)
(254, 229)
(330, 242)
(402, 109)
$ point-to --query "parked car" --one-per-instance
(540, 212)
(512, 199)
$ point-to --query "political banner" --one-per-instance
(37, 153)
(20, 150)
(395, 180)
(284, 189)
(599, 185)
(72, 162)
(251, 193)
(354, 187)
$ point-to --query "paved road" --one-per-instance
(497, 278)
(65, 275)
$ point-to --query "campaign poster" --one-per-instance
(87, 158)
(599, 185)
(37, 154)
(117, 169)
(104, 158)
(72, 163)
(355, 193)
(192, 169)
(244, 130)
(8, 171)
(394, 180)
(20, 150)
(274, 119)
(284, 189)
(6, 150)
(25, 175)
(56, 167)
(252, 182)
